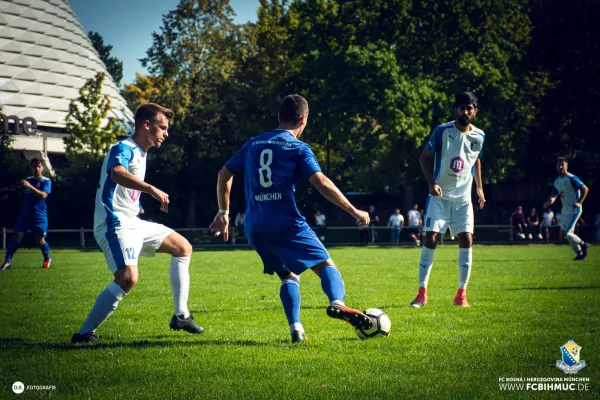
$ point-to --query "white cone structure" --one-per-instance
(45, 58)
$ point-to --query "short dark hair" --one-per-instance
(559, 159)
(293, 107)
(465, 98)
(149, 111)
(36, 161)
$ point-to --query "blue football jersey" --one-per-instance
(273, 164)
(32, 204)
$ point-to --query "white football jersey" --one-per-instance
(455, 155)
(548, 217)
(113, 201)
(413, 217)
(396, 220)
(568, 189)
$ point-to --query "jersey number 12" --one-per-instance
(265, 179)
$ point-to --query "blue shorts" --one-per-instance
(296, 253)
(38, 224)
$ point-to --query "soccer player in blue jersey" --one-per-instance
(572, 194)
(123, 237)
(34, 215)
(273, 163)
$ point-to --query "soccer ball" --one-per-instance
(381, 325)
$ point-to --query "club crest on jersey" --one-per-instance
(457, 164)
(570, 363)
(475, 146)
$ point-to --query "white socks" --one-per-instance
(180, 284)
(296, 326)
(106, 303)
(574, 241)
(465, 258)
(425, 264)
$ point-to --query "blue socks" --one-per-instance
(290, 298)
(332, 284)
(45, 248)
(12, 248)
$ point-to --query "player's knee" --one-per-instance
(570, 236)
(128, 283)
(318, 268)
(183, 248)
(430, 240)
(287, 274)
(126, 278)
(465, 240)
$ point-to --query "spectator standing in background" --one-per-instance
(396, 222)
(414, 224)
(320, 222)
(238, 224)
(374, 221)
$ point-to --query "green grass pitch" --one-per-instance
(526, 302)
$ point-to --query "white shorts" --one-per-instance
(569, 220)
(133, 238)
(443, 214)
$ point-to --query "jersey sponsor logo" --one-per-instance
(267, 196)
(135, 195)
(457, 164)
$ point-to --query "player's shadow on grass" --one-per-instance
(20, 344)
(253, 309)
(558, 288)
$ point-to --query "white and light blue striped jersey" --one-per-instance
(455, 155)
(568, 188)
(113, 201)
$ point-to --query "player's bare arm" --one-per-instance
(221, 222)
(584, 192)
(121, 176)
(39, 193)
(426, 162)
(328, 189)
(550, 201)
(479, 184)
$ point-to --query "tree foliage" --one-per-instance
(379, 76)
(113, 65)
(192, 63)
(91, 129)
